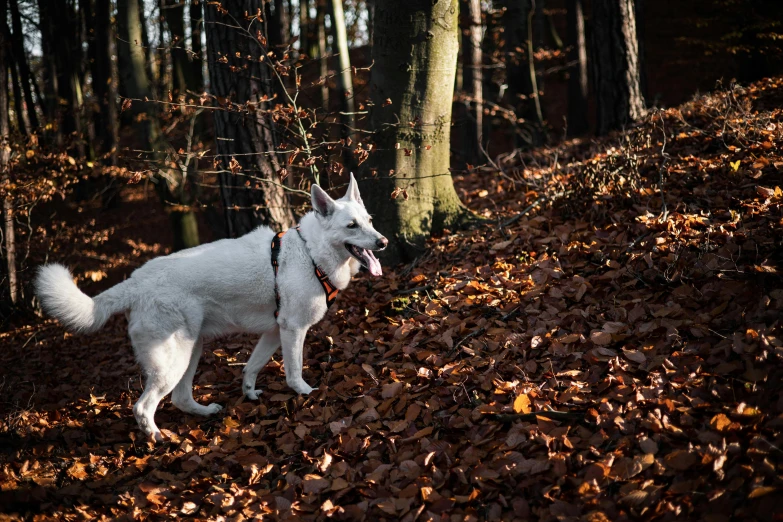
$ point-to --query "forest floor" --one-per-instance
(595, 355)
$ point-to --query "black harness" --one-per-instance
(330, 290)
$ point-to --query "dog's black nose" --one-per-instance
(382, 243)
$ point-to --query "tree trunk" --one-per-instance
(135, 84)
(577, 80)
(615, 65)
(281, 24)
(103, 83)
(244, 139)
(51, 75)
(20, 56)
(304, 26)
(320, 23)
(344, 80)
(520, 71)
(415, 54)
(21, 116)
(196, 30)
(59, 34)
(5, 156)
(181, 67)
(473, 78)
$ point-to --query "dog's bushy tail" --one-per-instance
(61, 298)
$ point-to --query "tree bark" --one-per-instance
(59, 34)
(304, 26)
(415, 54)
(577, 80)
(252, 196)
(20, 56)
(104, 84)
(520, 71)
(51, 73)
(181, 67)
(5, 156)
(344, 80)
(282, 23)
(171, 184)
(320, 23)
(196, 31)
(615, 65)
(21, 116)
(473, 78)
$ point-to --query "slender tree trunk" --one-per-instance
(304, 26)
(320, 23)
(21, 115)
(344, 80)
(103, 83)
(5, 156)
(415, 54)
(196, 30)
(282, 23)
(51, 74)
(520, 70)
(577, 80)
(20, 56)
(616, 65)
(253, 195)
(473, 78)
(641, 37)
(370, 19)
(181, 67)
(135, 84)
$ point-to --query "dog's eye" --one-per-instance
(352, 224)
(370, 220)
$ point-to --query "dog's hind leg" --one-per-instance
(182, 396)
(164, 362)
(266, 347)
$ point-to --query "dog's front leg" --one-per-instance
(293, 347)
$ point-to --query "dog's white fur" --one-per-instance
(174, 302)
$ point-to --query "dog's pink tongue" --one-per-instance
(373, 265)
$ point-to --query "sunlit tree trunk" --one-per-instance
(407, 185)
(5, 154)
(252, 196)
(344, 80)
(577, 80)
(320, 23)
(615, 63)
(473, 78)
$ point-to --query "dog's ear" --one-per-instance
(352, 193)
(322, 202)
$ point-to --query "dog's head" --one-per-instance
(346, 224)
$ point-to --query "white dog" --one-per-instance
(174, 302)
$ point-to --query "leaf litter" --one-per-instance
(612, 353)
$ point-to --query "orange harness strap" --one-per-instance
(330, 290)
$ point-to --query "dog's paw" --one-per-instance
(213, 409)
(253, 395)
(301, 388)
